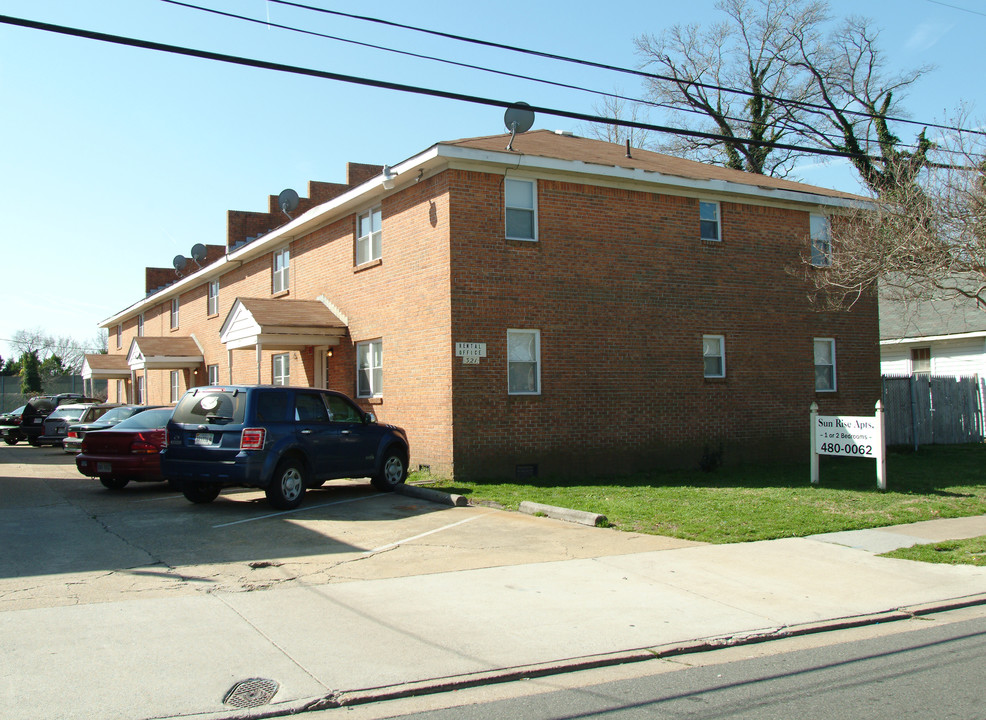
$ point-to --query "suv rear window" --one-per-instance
(213, 407)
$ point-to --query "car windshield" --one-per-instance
(205, 405)
(68, 413)
(146, 420)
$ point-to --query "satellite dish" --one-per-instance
(179, 263)
(198, 253)
(518, 118)
(288, 202)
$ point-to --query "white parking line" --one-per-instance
(296, 510)
(417, 537)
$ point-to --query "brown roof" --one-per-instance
(548, 144)
(167, 347)
(107, 362)
(291, 313)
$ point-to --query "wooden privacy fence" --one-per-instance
(923, 410)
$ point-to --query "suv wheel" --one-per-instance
(393, 471)
(200, 492)
(287, 487)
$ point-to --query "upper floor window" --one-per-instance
(714, 355)
(520, 199)
(212, 301)
(821, 241)
(523, 362)
(174, 313)
(369, 369)
(824, 365)
(280, 271)
(281, 373)
(140, 325)
(119, 336)
(369, 236)
(708, 217)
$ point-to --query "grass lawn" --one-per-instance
(763, 502)
(952, 552)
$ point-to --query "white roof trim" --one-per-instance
(934, 338)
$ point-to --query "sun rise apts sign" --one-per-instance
(849, 436)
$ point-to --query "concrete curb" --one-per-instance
(364, 696)
(577, 516)
(436, 496)
(437, 685)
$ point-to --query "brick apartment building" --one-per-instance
(561, 307)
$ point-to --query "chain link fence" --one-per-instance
(11, 396)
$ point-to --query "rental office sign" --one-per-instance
(849, 436)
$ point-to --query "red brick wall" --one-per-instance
(622, 290)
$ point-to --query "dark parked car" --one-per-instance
(10, 425)
(281, 439)
(131, 450)
(38, 408)
(110, 416)
(56, 425)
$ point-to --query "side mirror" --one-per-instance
(370, 417)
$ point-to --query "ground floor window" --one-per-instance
(369, 369)
(523, 362)
(141, 394)
(213, 374)
(175, 386)
(281, 374)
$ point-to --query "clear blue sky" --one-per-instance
(114, 158)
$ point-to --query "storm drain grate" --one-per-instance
(251, 693)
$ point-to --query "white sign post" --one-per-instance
(849, 436)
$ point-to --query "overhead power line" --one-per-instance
(614, 68)
(399, 87)
(455, 63)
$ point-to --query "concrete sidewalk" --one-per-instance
(351, 642)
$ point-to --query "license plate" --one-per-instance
(104, 467)
(59, 431)
(203, 438)
(37, 421)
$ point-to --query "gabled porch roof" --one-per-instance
(280, 324)
(164, 353)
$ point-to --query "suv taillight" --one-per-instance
(252, 438)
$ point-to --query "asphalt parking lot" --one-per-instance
(67, 540)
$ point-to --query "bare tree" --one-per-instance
(923, 238)
(70, 352)
(747, 51)
(856, 98)
(618, 107)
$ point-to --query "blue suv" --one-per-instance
(281, 439)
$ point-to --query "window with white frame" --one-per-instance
(821, 240)
(708, 220)
(824, 365)
(520, 199)
(921, 361)
(141, 390)
(523, 362)
(212, 302)
(119, 391)
(119, 336)
(174, 313)
(714, 355)
(369, 236)
(213, 371)
(140, 325)
(175, 386)
(369, 368)
(280, 271)
(281, 372)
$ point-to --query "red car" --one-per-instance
(131, 450)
